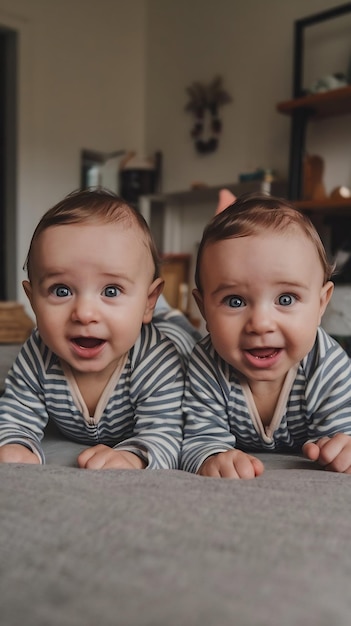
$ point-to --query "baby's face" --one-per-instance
(263, 298)
(90, 291)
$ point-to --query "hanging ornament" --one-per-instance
(204, 102)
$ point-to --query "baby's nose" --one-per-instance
(85, 310)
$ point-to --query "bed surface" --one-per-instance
(167, 548)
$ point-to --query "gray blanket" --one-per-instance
(166, 548)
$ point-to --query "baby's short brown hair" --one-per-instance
(93, 205)
(252, 214)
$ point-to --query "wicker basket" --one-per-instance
(15, 324)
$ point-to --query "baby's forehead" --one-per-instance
(122, 225)
(94, 230)
(287, 242)
(289, 233)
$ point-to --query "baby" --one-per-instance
(267, 376)
(95, 365)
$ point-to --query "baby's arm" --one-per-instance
(328, 401)
(231, 464)
(23, 413)
(104, 457)
(17, 453)
(333, 453)
(209, 445)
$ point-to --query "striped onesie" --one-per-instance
(220, 413)
(139, 410)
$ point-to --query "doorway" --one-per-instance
(8, 125)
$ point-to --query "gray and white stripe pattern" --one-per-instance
(217, 417)
(143, 414)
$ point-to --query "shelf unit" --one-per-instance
(303, 107)
(327, 207)
(326, 104)
(320, 105)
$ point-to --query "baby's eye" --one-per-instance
(235, 302)
(61, 291)
(286, 299)
(111, 291)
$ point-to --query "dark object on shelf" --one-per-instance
(134, 182)
(256, 175)
(140, 177)
(267, 175)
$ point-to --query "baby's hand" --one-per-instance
(16, 453)
(333, 453)
(231, 464)
(104, 457)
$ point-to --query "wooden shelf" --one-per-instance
(326, 104)
(329, 206)
(209, 194)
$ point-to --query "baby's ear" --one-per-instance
(326, 294)
(199, 301)
(28, 289)
(225, 199)
(154, 292)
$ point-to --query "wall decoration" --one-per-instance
(204, 103)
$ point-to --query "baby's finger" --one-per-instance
(330, 449)
(244, 467)
(258, 465)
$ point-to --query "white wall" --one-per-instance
(81, 85)
(250, 43)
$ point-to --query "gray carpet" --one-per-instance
(166, 548)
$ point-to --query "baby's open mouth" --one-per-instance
(264, 353)
(87, 342)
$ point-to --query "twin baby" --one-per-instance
(135, 388)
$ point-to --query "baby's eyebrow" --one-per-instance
(225, 287)
(279, 284)
(292, 285)
(116, 277)
(64, 276)
(50, 275)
